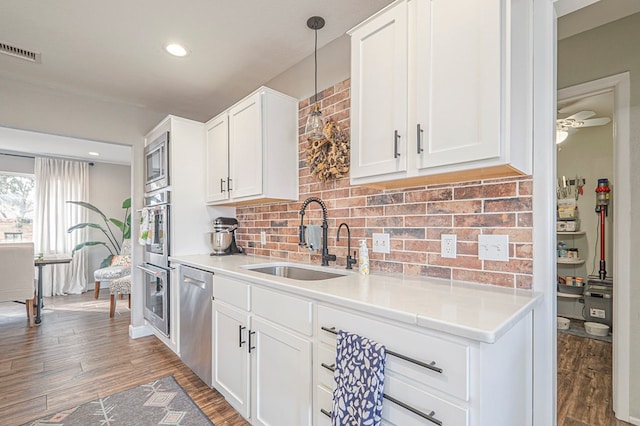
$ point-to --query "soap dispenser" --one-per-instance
(363, 260)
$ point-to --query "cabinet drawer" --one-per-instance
(324, 400)
(326, 357)
(289, 311)
(396, 415)
(232, 291)
(451, 357)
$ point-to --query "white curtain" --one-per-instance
(59, 181)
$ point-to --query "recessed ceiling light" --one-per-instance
(176, 49)
(95, 154)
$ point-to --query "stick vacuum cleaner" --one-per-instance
(602, 206)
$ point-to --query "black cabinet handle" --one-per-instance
(431, 366)
(396, 137)
(251, 333)
(419, 138)
(331, 367)
(222, 185)
(431, 416)
(325, 412)
(229, 180)
(240, 341)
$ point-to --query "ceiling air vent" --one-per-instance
(17, 52)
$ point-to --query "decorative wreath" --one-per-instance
(328, 158)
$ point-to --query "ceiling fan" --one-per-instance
(577, 121)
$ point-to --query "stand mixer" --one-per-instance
(223, 237)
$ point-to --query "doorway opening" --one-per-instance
(615, 91)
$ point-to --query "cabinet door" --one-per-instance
(457, 81)
(230, 355)
(245, 147)
(217, 159)
(379, 94)
(281, 373)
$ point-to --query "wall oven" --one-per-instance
(156, 297)
(156, 216)
(156, 249)
(156, 170)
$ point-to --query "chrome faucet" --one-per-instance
(326, 257)
(350, 260)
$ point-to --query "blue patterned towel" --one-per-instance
(359, 376)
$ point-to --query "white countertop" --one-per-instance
(474, 311)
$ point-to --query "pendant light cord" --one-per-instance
(315, 60)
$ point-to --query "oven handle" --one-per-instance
(149, 271)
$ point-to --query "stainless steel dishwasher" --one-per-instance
(196, 300)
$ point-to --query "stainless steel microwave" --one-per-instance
(156, 169)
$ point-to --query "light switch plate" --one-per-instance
(381, 243)
(263, 237)
(493, 247)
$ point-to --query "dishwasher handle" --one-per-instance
(196, 282)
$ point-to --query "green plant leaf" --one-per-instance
(106, 261)
(121, 225)
(85, 225)
(89, 244)
(126, 204)
(90, 207)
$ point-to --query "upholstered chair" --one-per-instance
(119, 287)
(18, 274)
(120, 267)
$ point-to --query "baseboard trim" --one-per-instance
(139, 331)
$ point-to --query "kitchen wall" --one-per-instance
(109, 186)
(414, 217)
(611, 50)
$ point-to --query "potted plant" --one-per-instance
(113, 244)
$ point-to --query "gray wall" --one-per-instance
(601, 52)
(109, 185)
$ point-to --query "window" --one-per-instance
(16, 206)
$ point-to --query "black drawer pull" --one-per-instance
(429, 416)
(396, 137)
(431, 366)
(251, 333)
(240, 341)
(331, 367)
(325, 412)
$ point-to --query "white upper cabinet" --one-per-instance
(252, 150)
(378, 93)
(217, 181)
(464, 110)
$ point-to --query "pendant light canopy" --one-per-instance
(315, 123)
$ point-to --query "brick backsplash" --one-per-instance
(414, 217)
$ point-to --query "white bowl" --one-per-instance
(563, 323)
(596, 329)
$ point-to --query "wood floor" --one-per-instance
(584, 382)
(78, 354)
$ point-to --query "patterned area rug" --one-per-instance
(162, 402)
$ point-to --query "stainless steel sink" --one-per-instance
(295, 272)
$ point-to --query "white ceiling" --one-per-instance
(112, 50)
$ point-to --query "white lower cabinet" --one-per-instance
(275, 352)
(231, 356)
(433, 378)
(281, 373)
(262, 365)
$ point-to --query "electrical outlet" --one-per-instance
(381, 243)
(263, 237)
(448, 245)
(493, 247)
